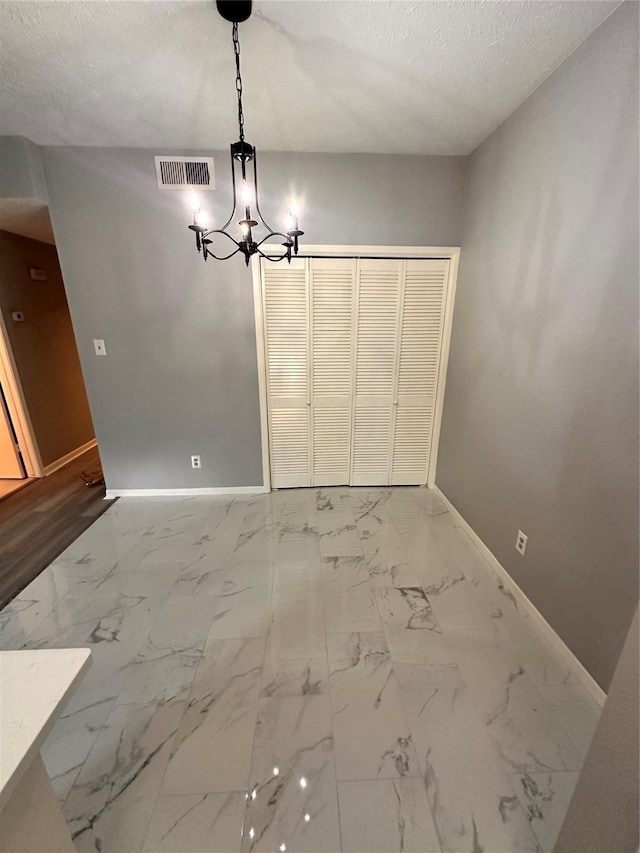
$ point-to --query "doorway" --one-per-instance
(11, 465)
(20, 463)
(13, 475)
(45, 421)
(48, 452)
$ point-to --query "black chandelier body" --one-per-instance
(244, 181)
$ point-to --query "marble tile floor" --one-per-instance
(310, 670)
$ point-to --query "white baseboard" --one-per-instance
(59, 463)
(164, 493)
(538, 619)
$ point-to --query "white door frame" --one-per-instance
(17, 406)
(451, 253)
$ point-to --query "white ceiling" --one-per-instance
(425, 77)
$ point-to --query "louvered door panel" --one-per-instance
(419, 343)
(411, 445)
(287, 367)
(332, 294)
(377, 301)
(290, 447)
(331, 434)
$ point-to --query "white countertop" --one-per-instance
(34, 687)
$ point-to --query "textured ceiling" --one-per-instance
(388, 77)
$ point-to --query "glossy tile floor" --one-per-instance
(311, 670)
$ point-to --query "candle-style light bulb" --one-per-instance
(294, 209)
(202, 218)
(290, 222)
(194, 203)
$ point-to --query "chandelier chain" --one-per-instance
(236, 51)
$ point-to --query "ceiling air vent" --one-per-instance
(176, 173)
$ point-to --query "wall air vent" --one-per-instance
(176, 173)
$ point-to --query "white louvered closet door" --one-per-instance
(286, 314)
(418, 362)
(332, 283)
(376, 335)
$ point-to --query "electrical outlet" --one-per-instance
(195, 462)
(521, 542)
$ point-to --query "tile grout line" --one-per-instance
(330, 696)
(402, 701)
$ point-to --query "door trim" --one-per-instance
(447, 325)
(17, 406)
(258, 309)
(450, 253)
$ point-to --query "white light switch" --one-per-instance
(99, 347)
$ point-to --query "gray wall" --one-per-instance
(180, 376)
(540, 426)
(603, 815)
(44, 347)
(21, 172)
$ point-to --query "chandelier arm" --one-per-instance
(226, 234)
(255, 183)
(272, 234)
(274, 258)
(223, 257)
(220, 231)
(233, 190)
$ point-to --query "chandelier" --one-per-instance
(244, 180)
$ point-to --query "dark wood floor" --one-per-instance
(38, 522)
